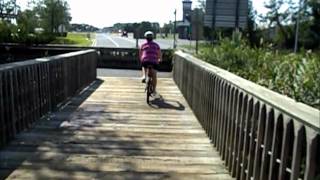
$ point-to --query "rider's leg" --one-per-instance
(142, 71)
(143, 74)
(154, 79)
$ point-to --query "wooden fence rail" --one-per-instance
(31, 89)
(129, 58)
(126, 58)
(260, 134)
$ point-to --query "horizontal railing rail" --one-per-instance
(260, 134)
(31, 89)
(124, 58)
(129, 58)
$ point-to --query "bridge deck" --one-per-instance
(114, 134)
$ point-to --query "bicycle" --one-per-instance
(149, 83)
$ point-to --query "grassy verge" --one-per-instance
(81, 39)
(294, 75)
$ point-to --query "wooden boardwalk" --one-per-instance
(109, 132)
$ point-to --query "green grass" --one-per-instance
(80, 39)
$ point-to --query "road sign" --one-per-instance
(226, 13)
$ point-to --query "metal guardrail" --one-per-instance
(260, 134)
(31, 89)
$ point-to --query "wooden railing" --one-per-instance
(31, 89)
(109, 57)
(260, 134)
(129, 58)
(18, 52)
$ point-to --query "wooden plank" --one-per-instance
(38, 138)
(79, 175)
(21, 153)
(110, 138)
(118, 145)
(98, 165)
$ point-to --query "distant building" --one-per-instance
(191, 19)
(183, 27)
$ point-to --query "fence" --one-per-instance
(259, 134)
(125, 58)
(129, 58)
(31, 89)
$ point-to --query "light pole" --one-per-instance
(297, 29)
(174, 29)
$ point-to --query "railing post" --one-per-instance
(299, 143)
(312, 159)
(2, 120)
(12, 127)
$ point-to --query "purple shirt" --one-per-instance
(149, 51)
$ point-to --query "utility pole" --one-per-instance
(174, 29)
(214, 6)
(197, 29)
(297, 29)
(52, 15)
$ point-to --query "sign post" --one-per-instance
(136, 36)
(197, 27)
(174, 29)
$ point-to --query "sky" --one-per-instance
(105, 13)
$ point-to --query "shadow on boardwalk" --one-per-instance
(22, 148)
(161, 103)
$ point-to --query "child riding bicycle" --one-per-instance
(150, 55)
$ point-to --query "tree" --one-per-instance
(27, 21)
(250, 30)
(286, 21)
(53, 14)
(168, 28)
(202, 4)
(8, 9)
(5, 31)
(83, 28)
(314, 5)
(280, 15)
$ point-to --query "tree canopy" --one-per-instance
(41, 22)
(53, 14)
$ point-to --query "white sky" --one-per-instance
(104, 13)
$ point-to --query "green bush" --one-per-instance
(294, 75)
(5, 31)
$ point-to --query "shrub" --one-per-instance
(294, 75)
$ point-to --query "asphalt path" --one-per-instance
(114, 40)
(105, 72)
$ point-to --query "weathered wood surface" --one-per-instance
(114, 134)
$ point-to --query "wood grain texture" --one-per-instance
(109, 132)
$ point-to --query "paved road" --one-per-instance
(105, 72)
(113, 40)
